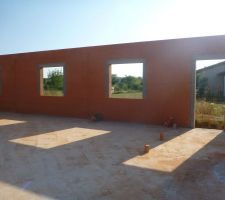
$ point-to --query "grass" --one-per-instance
(53, 93)
(128, 95)
(209, 115)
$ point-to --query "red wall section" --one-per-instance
(169, 73)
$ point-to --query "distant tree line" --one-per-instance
(127, 84)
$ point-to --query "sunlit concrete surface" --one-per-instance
(4, 122)
(169, 155)
(67, 158)
(9, 191)
(57, 138)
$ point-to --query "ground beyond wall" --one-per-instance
(169, 77)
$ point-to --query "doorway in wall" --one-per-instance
(210, 93)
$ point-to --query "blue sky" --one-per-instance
(130, 69)
(34, 25)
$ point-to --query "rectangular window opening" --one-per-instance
(52, 80)
(126, 80)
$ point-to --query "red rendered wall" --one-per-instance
(169, 73)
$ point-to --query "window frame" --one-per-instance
(108, 74)
(41, 78)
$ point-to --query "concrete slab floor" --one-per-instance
(45, 157)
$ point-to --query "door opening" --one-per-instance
(209, 93)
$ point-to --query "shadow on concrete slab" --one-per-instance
(67, 158)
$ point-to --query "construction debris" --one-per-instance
(161, 136)
(146, 148)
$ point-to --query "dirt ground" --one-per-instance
(44, 157)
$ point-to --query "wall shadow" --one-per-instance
(202, 176)
(92, 168)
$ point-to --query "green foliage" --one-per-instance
(209, 115)
(115, 79)
(127, 84)
(207, 108)
(54, 80)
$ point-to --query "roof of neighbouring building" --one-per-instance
(211, 66)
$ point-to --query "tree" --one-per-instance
(127, 83)
(54, 80)
(115, 79)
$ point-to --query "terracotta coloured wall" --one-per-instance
(169, 78)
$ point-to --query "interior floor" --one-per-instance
(44, 157)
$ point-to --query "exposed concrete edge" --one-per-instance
(49, 65)
(124, 61)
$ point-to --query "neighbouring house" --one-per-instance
(215, 76)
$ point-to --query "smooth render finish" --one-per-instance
(169, 74)
(64, 158)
